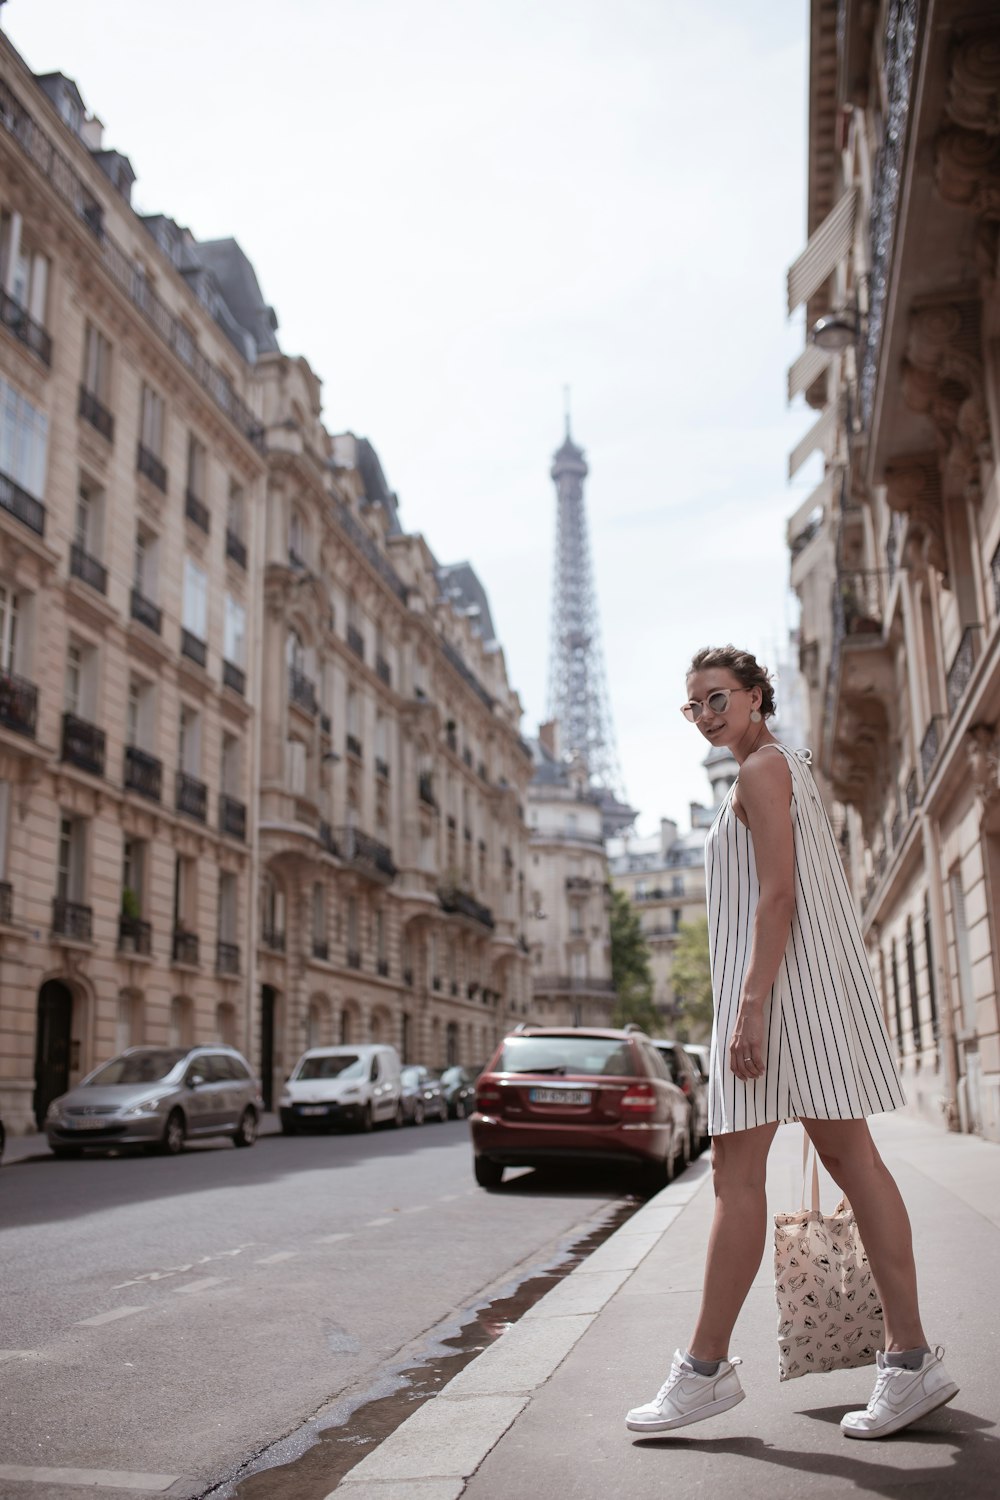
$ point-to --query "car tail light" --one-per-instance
(639, 1099)
(488, 1097)
(685, 1085)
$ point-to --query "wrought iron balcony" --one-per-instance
(24, 507)
(382, 768)
(321, 949)
(273, 938)
(92, 411)
(425, 789)
(184, 947)
(910, 792)
(6, 903)
(148, 464)
(995, 576)
(23, 326)
(326, 837)
(196, 510)
(146, 612)
(143, 773)
(365, 854)
(353, 958)
(227, 958)
(134, 935)
(87, 568)
(354, 746)
(462, 904)
(191, 797)
(579, 885)
(18, 704)
(71, 920)
(236, 548)
(193, 647)
(232, 817)
(325, 724)
(896, 829)
(83, 744)
(356, 641)
(234, 677)
(383, 671)
(960, 671)
(930, 745)
(302, 691)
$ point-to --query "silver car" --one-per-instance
(158, 1097)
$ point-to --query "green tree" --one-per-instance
(691, 978)
(630, 971)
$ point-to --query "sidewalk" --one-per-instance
(542, 1410)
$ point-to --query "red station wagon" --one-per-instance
(557, 1094)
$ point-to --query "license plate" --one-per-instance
(88, 1124)
(560, 1096)
(313, 1109)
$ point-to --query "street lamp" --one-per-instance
(837, 331)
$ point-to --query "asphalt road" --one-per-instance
(169, 1317)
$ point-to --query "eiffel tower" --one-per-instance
(578, 693)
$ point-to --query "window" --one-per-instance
(9, 608)
(197, 462)
(189, 740)
(24, 434)
(97, 364)
(236, 511)
(195, 619)
(127, 1023)
(353, 925)
(140, 714)
(181, 1028)
(296, 540)
(144, 564)
(133, 876)
(24, 269)
(152, 421)
(380, 943)
(318, 916)
(88, 524)
(963, 957)
(576, 921)
(228, 894)
(81, 684)
(185, 893)
(72, 858)
(235, 626)
(231, 765)
(295, 767)
(4, 826)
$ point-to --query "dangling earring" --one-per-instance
(755, 716)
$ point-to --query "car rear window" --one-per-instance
(341, 1065)
(139, 1067)
(566, 1054)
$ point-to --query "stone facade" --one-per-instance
(896, 554)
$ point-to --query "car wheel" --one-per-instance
(489, 1173)
(418, 1113)
(683, 1158)
(656, 1175)
(174, 1132)
(366, 1120)
(287, 1128)
(66, 1151)
(442, 1111)
(694, 1145)
(399, 1117)
(246, 1130)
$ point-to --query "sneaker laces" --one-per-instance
(679, 1368)
(885, 1374)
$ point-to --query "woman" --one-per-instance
(798, 1035)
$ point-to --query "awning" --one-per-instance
(822, 434)
(819, 500)
(808, 367)
(826, 249)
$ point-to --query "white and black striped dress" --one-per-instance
(826, 1050)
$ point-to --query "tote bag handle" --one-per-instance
(807, 1148)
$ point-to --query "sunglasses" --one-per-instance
(718, 702)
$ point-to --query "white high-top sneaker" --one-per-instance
(685, 1397)
(901, 1396)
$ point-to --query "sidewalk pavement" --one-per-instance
(541, 1411)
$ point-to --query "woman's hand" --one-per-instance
(746, 1047)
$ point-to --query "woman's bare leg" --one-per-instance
(848, 1152)
(736, 1243)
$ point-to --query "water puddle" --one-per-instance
(311, 1462)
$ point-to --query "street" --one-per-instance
(172, 1317)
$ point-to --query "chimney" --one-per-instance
(668, 834)
(548, 736)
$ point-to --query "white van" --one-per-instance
(346, 1085)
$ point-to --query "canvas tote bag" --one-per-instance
(829, 1310)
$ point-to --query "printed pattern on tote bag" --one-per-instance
(829, 1309)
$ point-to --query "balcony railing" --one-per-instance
(911, 792)
(995, 576)
(134, 935)
(18, 704)
(368, 547)
(382, 768)
(353, 958)
(22, 506)
(354, 746)
(146, 612)
(23, 326)
(232, 817)
(193, 647)
(579, 885)
(196, 510)
(6, 903)
(572, 984)
(87, 568)
(462, 904)
(930, 745)
(896, 830)
(325, 724)
(366, 854)
(356, 641)
(236, 548)
(960, 671)
(184, 947)
(83, 744)
(148, 464)
(191, 797)
(302, 691)
(92, 411)
(71, 920)
(234, 677)
(273, 938)
(227, 958)
(143, 773)
(326, 838)
(383, 671)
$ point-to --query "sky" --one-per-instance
(460, 207)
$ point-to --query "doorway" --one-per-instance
(52, 1045)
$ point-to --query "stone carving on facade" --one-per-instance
(913, 486)
(974, 85)
(983, 747)
(943, 380)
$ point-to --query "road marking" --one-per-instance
(108, 1317)
(331, 1239)
(202, 1260)
(421, 1208)
(109, 1479)
(200, 1286)
(374, 1223)
(272, 1260)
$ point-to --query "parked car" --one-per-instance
(553, 1095)
(422, 1095)
(3, 1139)
(359, 1086)
(459, 1088)
(698, 1053)
(687, 1074)
(158, 1097)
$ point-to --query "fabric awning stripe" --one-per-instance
(826, 248)
(808, 367)
(818, 499)
(820, 435)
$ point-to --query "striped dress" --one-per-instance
(826, 1050)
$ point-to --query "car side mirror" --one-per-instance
(195, 1081)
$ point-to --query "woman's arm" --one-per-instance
(764, 796)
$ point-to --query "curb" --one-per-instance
(432, 1454)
